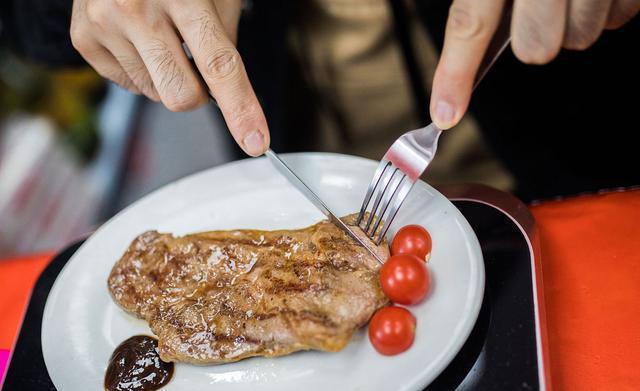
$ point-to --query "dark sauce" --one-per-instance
(136, 365)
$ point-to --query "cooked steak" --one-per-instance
(222, 296)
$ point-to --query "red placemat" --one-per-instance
(591, 270)
(17, 277)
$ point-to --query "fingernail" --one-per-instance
(254, 143)
(444, 112)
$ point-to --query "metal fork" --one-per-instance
(410, 155)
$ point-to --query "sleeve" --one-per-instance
(39, 31)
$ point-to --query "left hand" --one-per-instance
(539, 28)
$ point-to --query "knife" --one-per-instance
(302, 187)
(282, 167)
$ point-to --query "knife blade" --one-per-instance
(302, 187)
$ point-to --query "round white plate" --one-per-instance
(82, 325)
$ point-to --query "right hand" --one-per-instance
(138, 45)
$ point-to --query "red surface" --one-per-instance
(591, 267)
(17, 277)
(591, 270)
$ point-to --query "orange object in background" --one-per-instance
(591, 269)
(17, 278)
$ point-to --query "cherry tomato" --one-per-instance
(412, 239)
(405, 279)
(391, 330)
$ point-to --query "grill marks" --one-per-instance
(280, 287)
(226, 295)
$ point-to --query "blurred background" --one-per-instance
(74, 150)
(332, 75)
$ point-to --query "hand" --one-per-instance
(138, 45)
(539, 28)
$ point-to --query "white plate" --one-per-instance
(82, 326)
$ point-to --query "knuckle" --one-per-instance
(129, 86)
(155, 24)
(145, 84)
(184, 101)
(537, 55)
(75, 30)
(222, 63)
(130, 7)
(533, 51)
(79, 39)
(138, 74)
(579, 39)
(243, 114)
(576, 44)
(152, 94)
(583, 29)
(95, 12)
(120, 79)
(463, 23)
(543, 55)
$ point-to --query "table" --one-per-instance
(591, 270)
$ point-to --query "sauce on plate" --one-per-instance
(136, 365)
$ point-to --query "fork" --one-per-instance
(410, 155)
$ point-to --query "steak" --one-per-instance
(222, 296)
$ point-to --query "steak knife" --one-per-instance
(282, 167)
(302, 187)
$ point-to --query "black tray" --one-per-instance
(505, 350)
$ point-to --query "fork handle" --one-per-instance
(426, 139)
(499, 42)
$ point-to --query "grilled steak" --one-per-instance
(222, 296)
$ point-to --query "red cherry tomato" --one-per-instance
(405, 279)
(391, 330)
(412, 239)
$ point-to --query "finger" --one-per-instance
(164, 58)
(103, 62)
(537, 29)
(133, 65)
(223, 71)
(585, 21)
(621, 12)
(470, 26)
(229, 12)
(118, 47)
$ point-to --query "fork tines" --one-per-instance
(389, 187)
